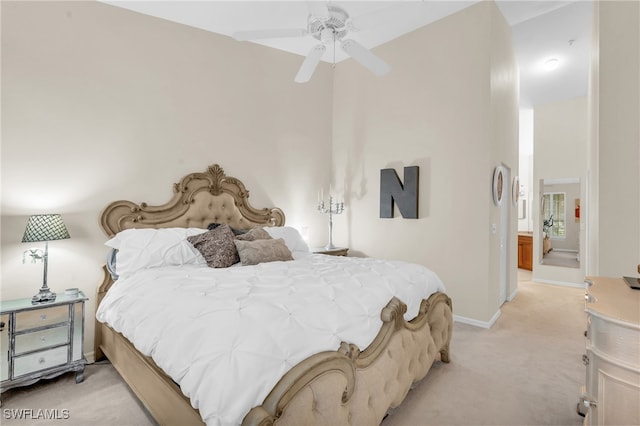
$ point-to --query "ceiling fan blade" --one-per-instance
(273, 33)
(310, 64)
(319, 9)
(365, 57)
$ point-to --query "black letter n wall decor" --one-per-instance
(405, 196)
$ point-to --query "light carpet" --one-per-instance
(526, 370)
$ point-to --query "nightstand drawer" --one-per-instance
(40, 360)
(42, 317)
(41, 339)
(4, 347)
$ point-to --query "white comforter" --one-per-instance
(228, 335)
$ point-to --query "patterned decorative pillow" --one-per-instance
(254, 234)
(234, 230)
(260, 251)
(217, 246)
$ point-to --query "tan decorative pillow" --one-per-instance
(254, 234)
(217, 247)
(260, 251)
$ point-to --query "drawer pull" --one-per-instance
(43, 339)
(585, 404)
(43, 317)
(41, 360)
(585, 359)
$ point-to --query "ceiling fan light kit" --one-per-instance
(328, 24)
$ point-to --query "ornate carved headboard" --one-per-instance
(198, 200)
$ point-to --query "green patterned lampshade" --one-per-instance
(45, 227)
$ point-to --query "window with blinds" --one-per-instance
(554, 208)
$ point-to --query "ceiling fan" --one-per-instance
(327, 23)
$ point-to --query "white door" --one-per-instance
(504, 235)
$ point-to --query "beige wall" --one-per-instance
(561, 132)
(451, 109)
(505, 129)
(614, 156)
(100, 103)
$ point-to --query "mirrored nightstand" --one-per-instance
(41, 341)
(338, 251)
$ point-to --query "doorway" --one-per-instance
(560, 222)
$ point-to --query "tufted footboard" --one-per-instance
(353, 387)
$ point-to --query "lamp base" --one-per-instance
(44, 296)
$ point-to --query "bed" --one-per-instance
(343, 382)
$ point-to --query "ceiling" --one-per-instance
(541, 29)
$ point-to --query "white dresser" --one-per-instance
(611, 395)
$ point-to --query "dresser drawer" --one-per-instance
(41, 339)
(42, 317)
(40, 360)
(614, 341)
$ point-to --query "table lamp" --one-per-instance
(44, 227)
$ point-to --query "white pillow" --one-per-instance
(291, 237)
(152, 248)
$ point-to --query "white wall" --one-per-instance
(525, 162)
(451, 109)
(561, 132)
(100, 103)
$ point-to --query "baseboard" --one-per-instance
(90, 357)
(513, 295)
(560, 283)
(476, 323)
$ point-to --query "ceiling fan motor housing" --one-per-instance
(325, 29)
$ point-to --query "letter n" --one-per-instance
(405, 196)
